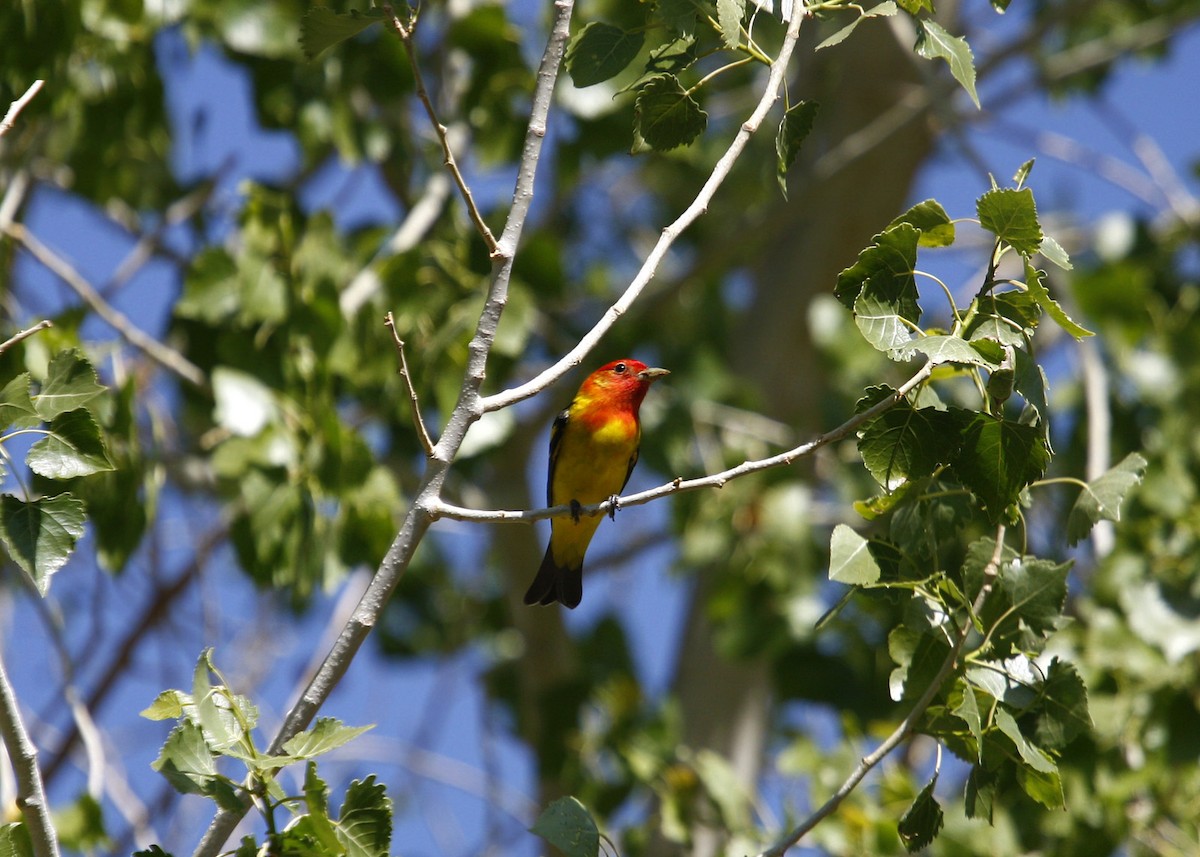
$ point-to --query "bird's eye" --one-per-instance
(620, 368)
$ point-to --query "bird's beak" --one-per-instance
(651, 374)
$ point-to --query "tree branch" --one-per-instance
(406, 38)
(165, 357)
(699, 205)
(17, 106)
(909, 723)
(418, 422)
(31, 797)
(679, 485)
(24, 334)
(466, 412)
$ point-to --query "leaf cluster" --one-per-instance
(1007, 709)
(215, 724)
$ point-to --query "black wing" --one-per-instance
(556, 433)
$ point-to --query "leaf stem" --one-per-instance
(418, 422)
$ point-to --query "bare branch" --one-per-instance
(908, 724)
(168, 358)
(31, 796)
(24, 334)
(405, 32)
(418, 422)
(669, 235)
(679, 485)
(17, 106)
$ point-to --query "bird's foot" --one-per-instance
(614, 504)
(576, 510)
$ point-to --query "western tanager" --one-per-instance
(593, 448)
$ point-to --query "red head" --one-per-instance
(621, 383)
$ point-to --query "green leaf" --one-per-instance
(885, 268)
(15, 841)
(919, 656)
(729, 18)
(213, 710)
(665, 116)
(1034, 281)
(1063, 713)
(41, 534)
(1053, 252)
(967, 710)
(168, 705)
(1101, 498)
(191, 768)
(364, 824)
(152, 851)
(316, 824)
(1011, 215)
(568, 826)
(921, 822)
(850, 561)
(601, 51)
(1007, 318)
(840, 35)
(998, 458)
(681, 15)
(904, 443)
(980, 797)
(1038, 775)
(934, 42)
(884, 326)
(941, 348)
(16, 406)
(322, 28)
(73, 448)
(796, 124)
(80, 826)
(913, 7)
(1023, 172)
(328, 734)
(70, 383)
(937, 229)
(1027, 604)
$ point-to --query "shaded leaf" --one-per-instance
(568, 826)
(1007, 318)
(1101, 498)
(967, 710)
(665, 116)
(681, 15)
(73, 448)
(905, 443)
(934, 42)
(1063, 714)
(191, 768)
(41, 534)
(942, 348)
(365, 822)
(921, 822)
(937, 230)
(796, 124)
(601, 51)
(168, 705)
(998, 458)
(16, 406)
(1027, 604)
(322, 28)
(1054, 253)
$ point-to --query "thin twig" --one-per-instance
(168, 358)
(405, 32)
(17, 106)
(909, 723)
(679, 485)
(669, 235)
(418, 422)
(25, 334)
(31, 796)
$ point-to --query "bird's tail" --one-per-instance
(556, 582)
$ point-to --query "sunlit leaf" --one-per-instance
(364, 824)
(1034, 279)
(73, 448)
(850, 561)
(322, 28)
(1101, 498)
(934, 42)
(70, 383)
(1011, 215)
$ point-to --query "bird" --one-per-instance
(593, 448)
